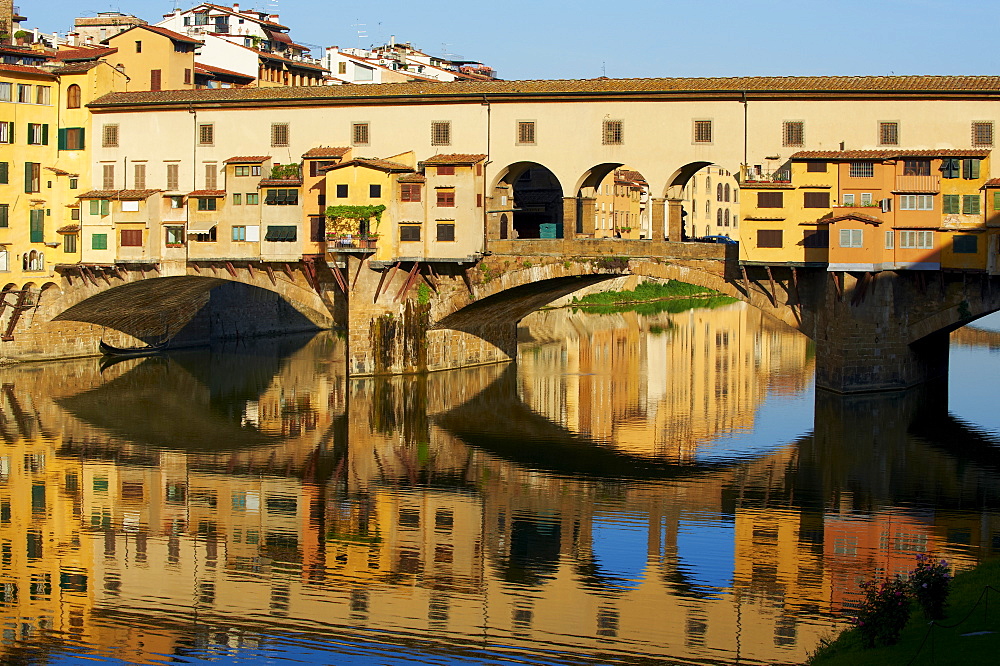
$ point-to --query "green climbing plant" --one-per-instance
(347, 219)
(284, 171)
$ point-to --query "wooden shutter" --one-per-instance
(950, 204)
(27, 178)
(816, 200)
(769, 237)
(770, 200)
(446, 231)
(105, 206)
(996, 194)
(45, 134)
(155, 77)
(131, 237)
(37, 226)
(970, 169)
(4, 173)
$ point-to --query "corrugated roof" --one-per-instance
(325, 152)
(880, 85)
(893, 154)
(248, 159)
(455, 158)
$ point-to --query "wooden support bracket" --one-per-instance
(408, 282)
(270, 273)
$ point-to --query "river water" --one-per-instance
(643, 487)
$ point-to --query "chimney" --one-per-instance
(392, 40)
(236, 7)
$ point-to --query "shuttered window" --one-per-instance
(71, 138)
(173, 177)
(770, 199)
(155, 79)
(526, 132)
(996, 198)
(970, 204)
(131, 237)
(951, 204)
(446, 231)
(409, 192)
(139, 180)
(970, 169)
(965, 244)
(279, 134)
(36, 222)
(409, 232)
(108, 176)
(4, 173)
(4, 216)
(7, 132)
(769, 238)
(38, 134)
(950, 168)
(211, 176)
(816, 199)
(281, 234)
(816, 238)
(851, 238)
(446, 198)
(73, 97)
(816, 167)
(99, 242)
(359, 134)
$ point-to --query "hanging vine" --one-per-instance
(345, 220)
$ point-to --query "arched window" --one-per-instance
(718, 217)
(73, 97)
(694, 186)
(708, 209)
(718, 192)
(727, 191)
(725, 219)
(736, 195)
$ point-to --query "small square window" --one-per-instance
(341, 191)
(446, 231)
(279, 134)
(441, 133)
(359, 134)
(794, 133)
(982, 134)
(237, 199)
(526, 132)
(374, 191)
(888, 133)
(409, 232)
(703, 131)
(253, 199)
(614, 133)
(206, 134)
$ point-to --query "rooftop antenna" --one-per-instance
(604, 69)
(362, 34)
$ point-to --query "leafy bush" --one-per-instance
(929, 584)
(884, 611)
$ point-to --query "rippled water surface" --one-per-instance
(639, 488)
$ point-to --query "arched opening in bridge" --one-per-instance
(533, 198)
(708, 196)
(613, 202)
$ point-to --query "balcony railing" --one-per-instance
(921, 184)
(336, 243)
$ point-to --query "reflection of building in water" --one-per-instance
(663, 385)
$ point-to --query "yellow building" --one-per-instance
(154, 58)
(620, 205)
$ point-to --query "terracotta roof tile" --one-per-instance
(248, 159)
(209, 69)
(860, 217)
(455, 158)
(207, 193)
(382, 165)
(27, 70)
(412, 178)
(735, 86)
(896, 153)
(175, 36)
(280, 182)
(325, 152)
(77, 67)
(97, 194)
(992, 182)
(766, 185)
(85, 53)
(57, 171)
(68, 229)
(118, 195)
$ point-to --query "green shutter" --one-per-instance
(996, 200)
(37, 226)
(4, 173)
(4, 212)
(950, 168)
(62, 138)
(27, 177)
(950, 204)
(99, 242)
(95, 207)
(30, 134)
(105, 207)
(970, 204)
(83, 138)
(970, 169)
(45, 134)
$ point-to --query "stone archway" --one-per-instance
(531, 197)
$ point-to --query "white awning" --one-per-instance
(200, 226)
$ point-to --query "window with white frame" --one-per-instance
(916, 202)
(916, 240)
(851, 237)
(890, 238)
(866, 198)
(847, 199)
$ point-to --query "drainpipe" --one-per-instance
(194, 177)
(744, 102)
(486, 164)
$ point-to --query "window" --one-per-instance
(815, 199)
(816, 238)
(5, 91)
(279, 134)
(996, 196)
(916, 202)
(240, 233)
(359, 134)
(866, 199)
(614, 133)
(174, 236)
(211, 176)
(526, 132)
(862, 170)
(241, 171)
(446, 170)
(703, 131)
(441, 133)
(409, 232)
(36, 226)
(38, 134)
(43, 95)
(982, 134)
(341, 190)
(70, 243)
(888, 133)
(965, 244)
(794, 133)
(99, 242)
(206, 134)
(769, 200)
(206, 203)
(446, 198)
(138, 46)
(816, 167)
(4, 216)
(73, 97)
(374, 191)
(253, 199)
(847, 199)
(446, 231)
(970, 169)
(409, 192)
(851, 237)
(32, 177)
(890, 238)
(917, 168)
(950, 168)
(131, 237)
(769, 238)
(970, 204)
(71, 138)
(916, 240)
(282, 198)
(155, 79)
(100, 207)
(951, 204)
(187, 76)
(718, 217)
(109, 136)
(5, 173)
(24, 93)
(173, 177)
(6, 132)
(281, 234)
(139, 182)
(74, 214)
(341, 68)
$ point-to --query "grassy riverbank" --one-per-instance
(968, 613)
(652, 298)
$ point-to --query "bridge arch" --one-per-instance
(532, 195)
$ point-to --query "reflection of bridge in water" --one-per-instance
(419, 523)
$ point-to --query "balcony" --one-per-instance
(349, 243)
(918, 184)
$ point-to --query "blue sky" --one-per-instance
(642, 38)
